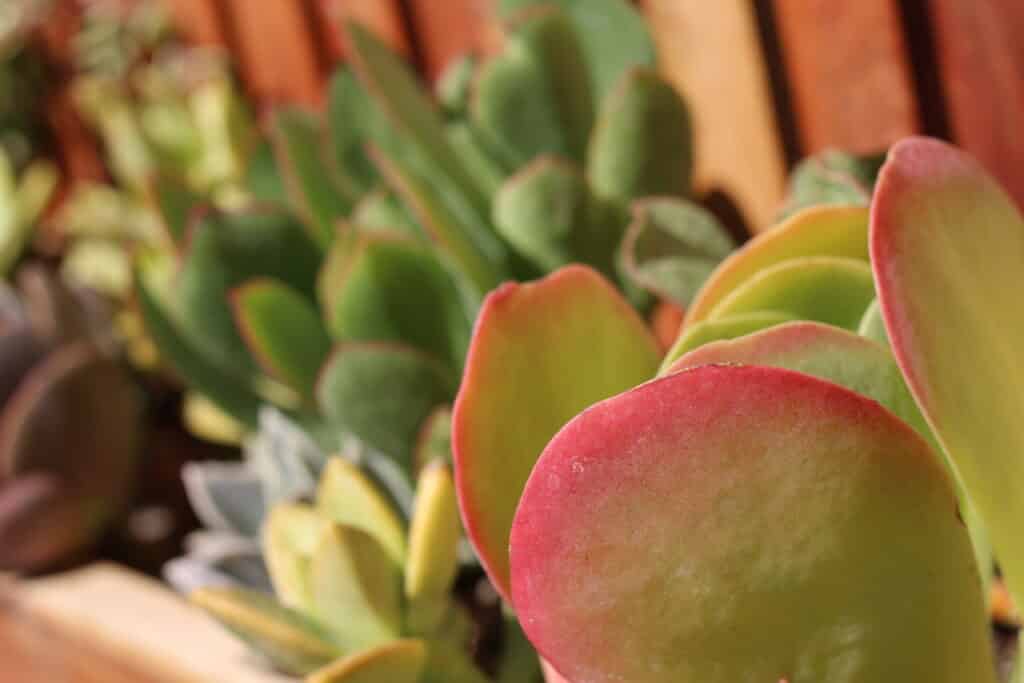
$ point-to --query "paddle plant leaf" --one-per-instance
(728, 327)
(400, 661)
(672, 246)
(832, 177)
(947, 246)
(290, 641)
(769, 489)
(382, 393)
(283, 331)
(642, 145)
(827, 289)
(840, 231)
(541, 353)
(872, 325)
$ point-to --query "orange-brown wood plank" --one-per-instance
(276, 50)
(849, 71)
(980, 47)
(198, 21)
(449, 28)
(711, 53)
(383, 17)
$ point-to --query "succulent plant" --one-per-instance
(22, 200)
(787, 499)
(351, 311)
(71, 423)
(359, 595)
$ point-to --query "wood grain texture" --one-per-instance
(198, 21)
(981, 57)
(383, 17)
(710, 52)
(276, 51)
(849, 72)
(448, 29)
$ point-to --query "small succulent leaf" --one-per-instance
(826, 289)
(174, 201)
(206, 420)
(840, 231)
(642, 145)
(35, 188)
(225, 496)
(356, 588)
(476, 156)
(613, 35)
(229, 391)
(381, 210)
(946, 245)
(449, 221)
(534, 98)
(226, 249)
(541, 352)
(672, 246)
(353, 119)
(346, 496)
(548, 214)
(832, 177)
(382, 393)
(297, 136)
(20, 205)
(408, 108)
(288, 639)
(454, 87)
(728, 327)
(435, 439)
(872, 325)
(262, 177)
(391, 289)
(290, 537)
(767, 485)
(284, 457)
(434, 533)
(283, 331)
(399, 661)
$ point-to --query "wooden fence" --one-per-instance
(768, 80)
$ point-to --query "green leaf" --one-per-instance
(353, 121)
(174, 202)
(541, 352)
(827, 289)
(946, 245)
(696, 511)
(283, 331)
(262, 178)
(642, 145)
(872, 325)
(380, 287)
(454, 88)
(534, 98)
(727, 327)
(434, 535)
(291, 642)
(400, 661)
(672, 246)
(290, 537)
(382, 393)
(832, 177)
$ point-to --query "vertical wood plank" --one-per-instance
(710, 51)
(849, 71)
(276, 51)
(198, 21)
(383, 17)
(451, 28)
(981, 56)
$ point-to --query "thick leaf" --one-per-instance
(613, 35)
(283, 331)
(947, 244)
(729, 327)
(534, 98)
(285, 457)
(827, 289)
(400, 661)
(299, 144)
(290, 537)
(174, 202)
(872, 325)
(382, 393)
(289, 640)
(382, 210)
(346, 496)
(476, 156)
(453, 88)
(642, 145)
(548, 214)
(672, 246)
(434, 535)
(353, 120)
(820, 231)
(750, 505)
(435, 439)
(391, 289)
(832, 177)
(356, 588)
(225, 496)
(541, 353)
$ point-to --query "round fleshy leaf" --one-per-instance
(541, 353)
(872, 325)
(729, 327)
(947, 245)
(733, 504)
(400, 661)
(840, 231)
(826, 289)
(290, 536)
